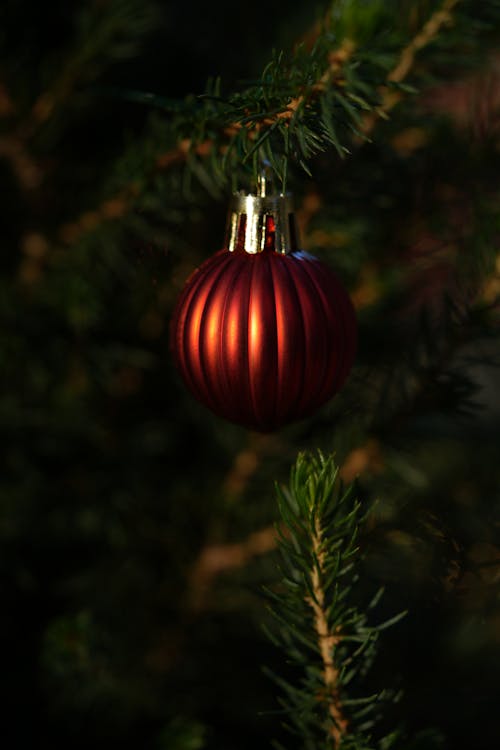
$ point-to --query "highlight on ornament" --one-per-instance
(263, 333)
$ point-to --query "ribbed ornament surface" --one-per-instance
(263, 339)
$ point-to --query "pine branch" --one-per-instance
(125, 200)
(321, 98)
(389, 96)
(336, 61)
(105, 32)
(25, 168)
(429, 32)
(321, 630)
(215, 559)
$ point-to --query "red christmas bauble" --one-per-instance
(261, 336)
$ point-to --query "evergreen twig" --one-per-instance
(99, 37)
(323, 632)
(318, 112)
(390, 96)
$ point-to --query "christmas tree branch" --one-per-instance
(389, 96)
(427, 34)
(216, 559)
(304, 120)
(332, 75)
(320, 628)
(27, 171)
(104, 32)
(125, 200)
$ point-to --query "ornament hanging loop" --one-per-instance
(265, 180)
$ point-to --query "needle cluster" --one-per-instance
(327, 638)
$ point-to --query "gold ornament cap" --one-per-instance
(261, 222)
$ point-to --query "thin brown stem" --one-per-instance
(217, 559)
(25, 168)
(336, 62)
(328, 641)
(124, 201)
(428, 32)
(406, 61)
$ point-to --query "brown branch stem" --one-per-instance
(336, 61)
(124, 200)
(26, 170)
(428, 32)
(216, 559)
(118, 205)
(425, 36)
(328, 640)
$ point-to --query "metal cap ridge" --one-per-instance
(259, 223)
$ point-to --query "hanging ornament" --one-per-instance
(263, 333)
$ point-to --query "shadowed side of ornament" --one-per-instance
(263, 334)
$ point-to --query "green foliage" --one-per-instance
(326, 637)
(307, 102)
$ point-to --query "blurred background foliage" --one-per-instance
(136, 528)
